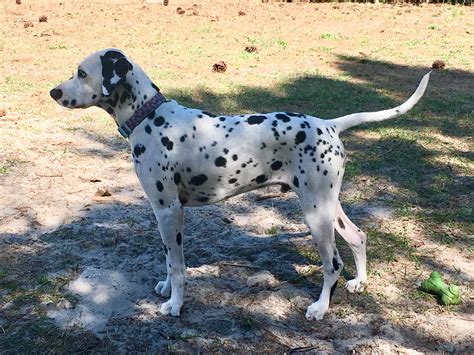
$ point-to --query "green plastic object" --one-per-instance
(447, 294)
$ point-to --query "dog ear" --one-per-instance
(115, 67)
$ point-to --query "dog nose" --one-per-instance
(56, 94)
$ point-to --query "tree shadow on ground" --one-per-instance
(222, 312)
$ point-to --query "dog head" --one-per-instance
(96, 78)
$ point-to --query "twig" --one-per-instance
(267, 197)
(241, 265)
(49, 175)
(303, 348)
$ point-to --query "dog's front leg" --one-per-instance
(170, 222)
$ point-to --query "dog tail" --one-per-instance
(345, 122)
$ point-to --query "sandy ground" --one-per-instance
(251, 269)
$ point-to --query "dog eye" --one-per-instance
(81, 74)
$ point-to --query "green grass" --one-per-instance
(281, 43)
(330, 36)
(310, 253)
(272, 231)
(390, 247)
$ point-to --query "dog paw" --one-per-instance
(170, 307)
(317, 310)
(355, 285)
(163, 288)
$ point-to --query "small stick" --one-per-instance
(267, 197)
(241, 265)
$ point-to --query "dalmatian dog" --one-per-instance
(186, 157)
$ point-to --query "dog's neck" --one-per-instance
(128, 97)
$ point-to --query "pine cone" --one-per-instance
(438, 65)
(250, 49)
(219, 67)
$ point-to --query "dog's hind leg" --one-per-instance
(170, 223)
(357, 241)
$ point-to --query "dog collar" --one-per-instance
(127, 128)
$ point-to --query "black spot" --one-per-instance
(296, 182)
(183, 138)
(341, 223)
(285, 188)
(231, 181)
(325, 172)
(222, 119)
(335, 264)
(300, 137)
(225, 150)
(276, 165)
(160, 120)
(256, 119)
(94, 97)
(161, 202)
(198, 179)
(159, 186)
(139, 149)
(73, 103)
(220, 161)
(167, 143)
(320, 132)
(203, 199)
(65, 102)
(283, 117)
(177, 178)
(148, 129)
(261, 179)
(235, 157)
(179, 238)
(333, 288)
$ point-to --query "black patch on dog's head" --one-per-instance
(115, 67)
